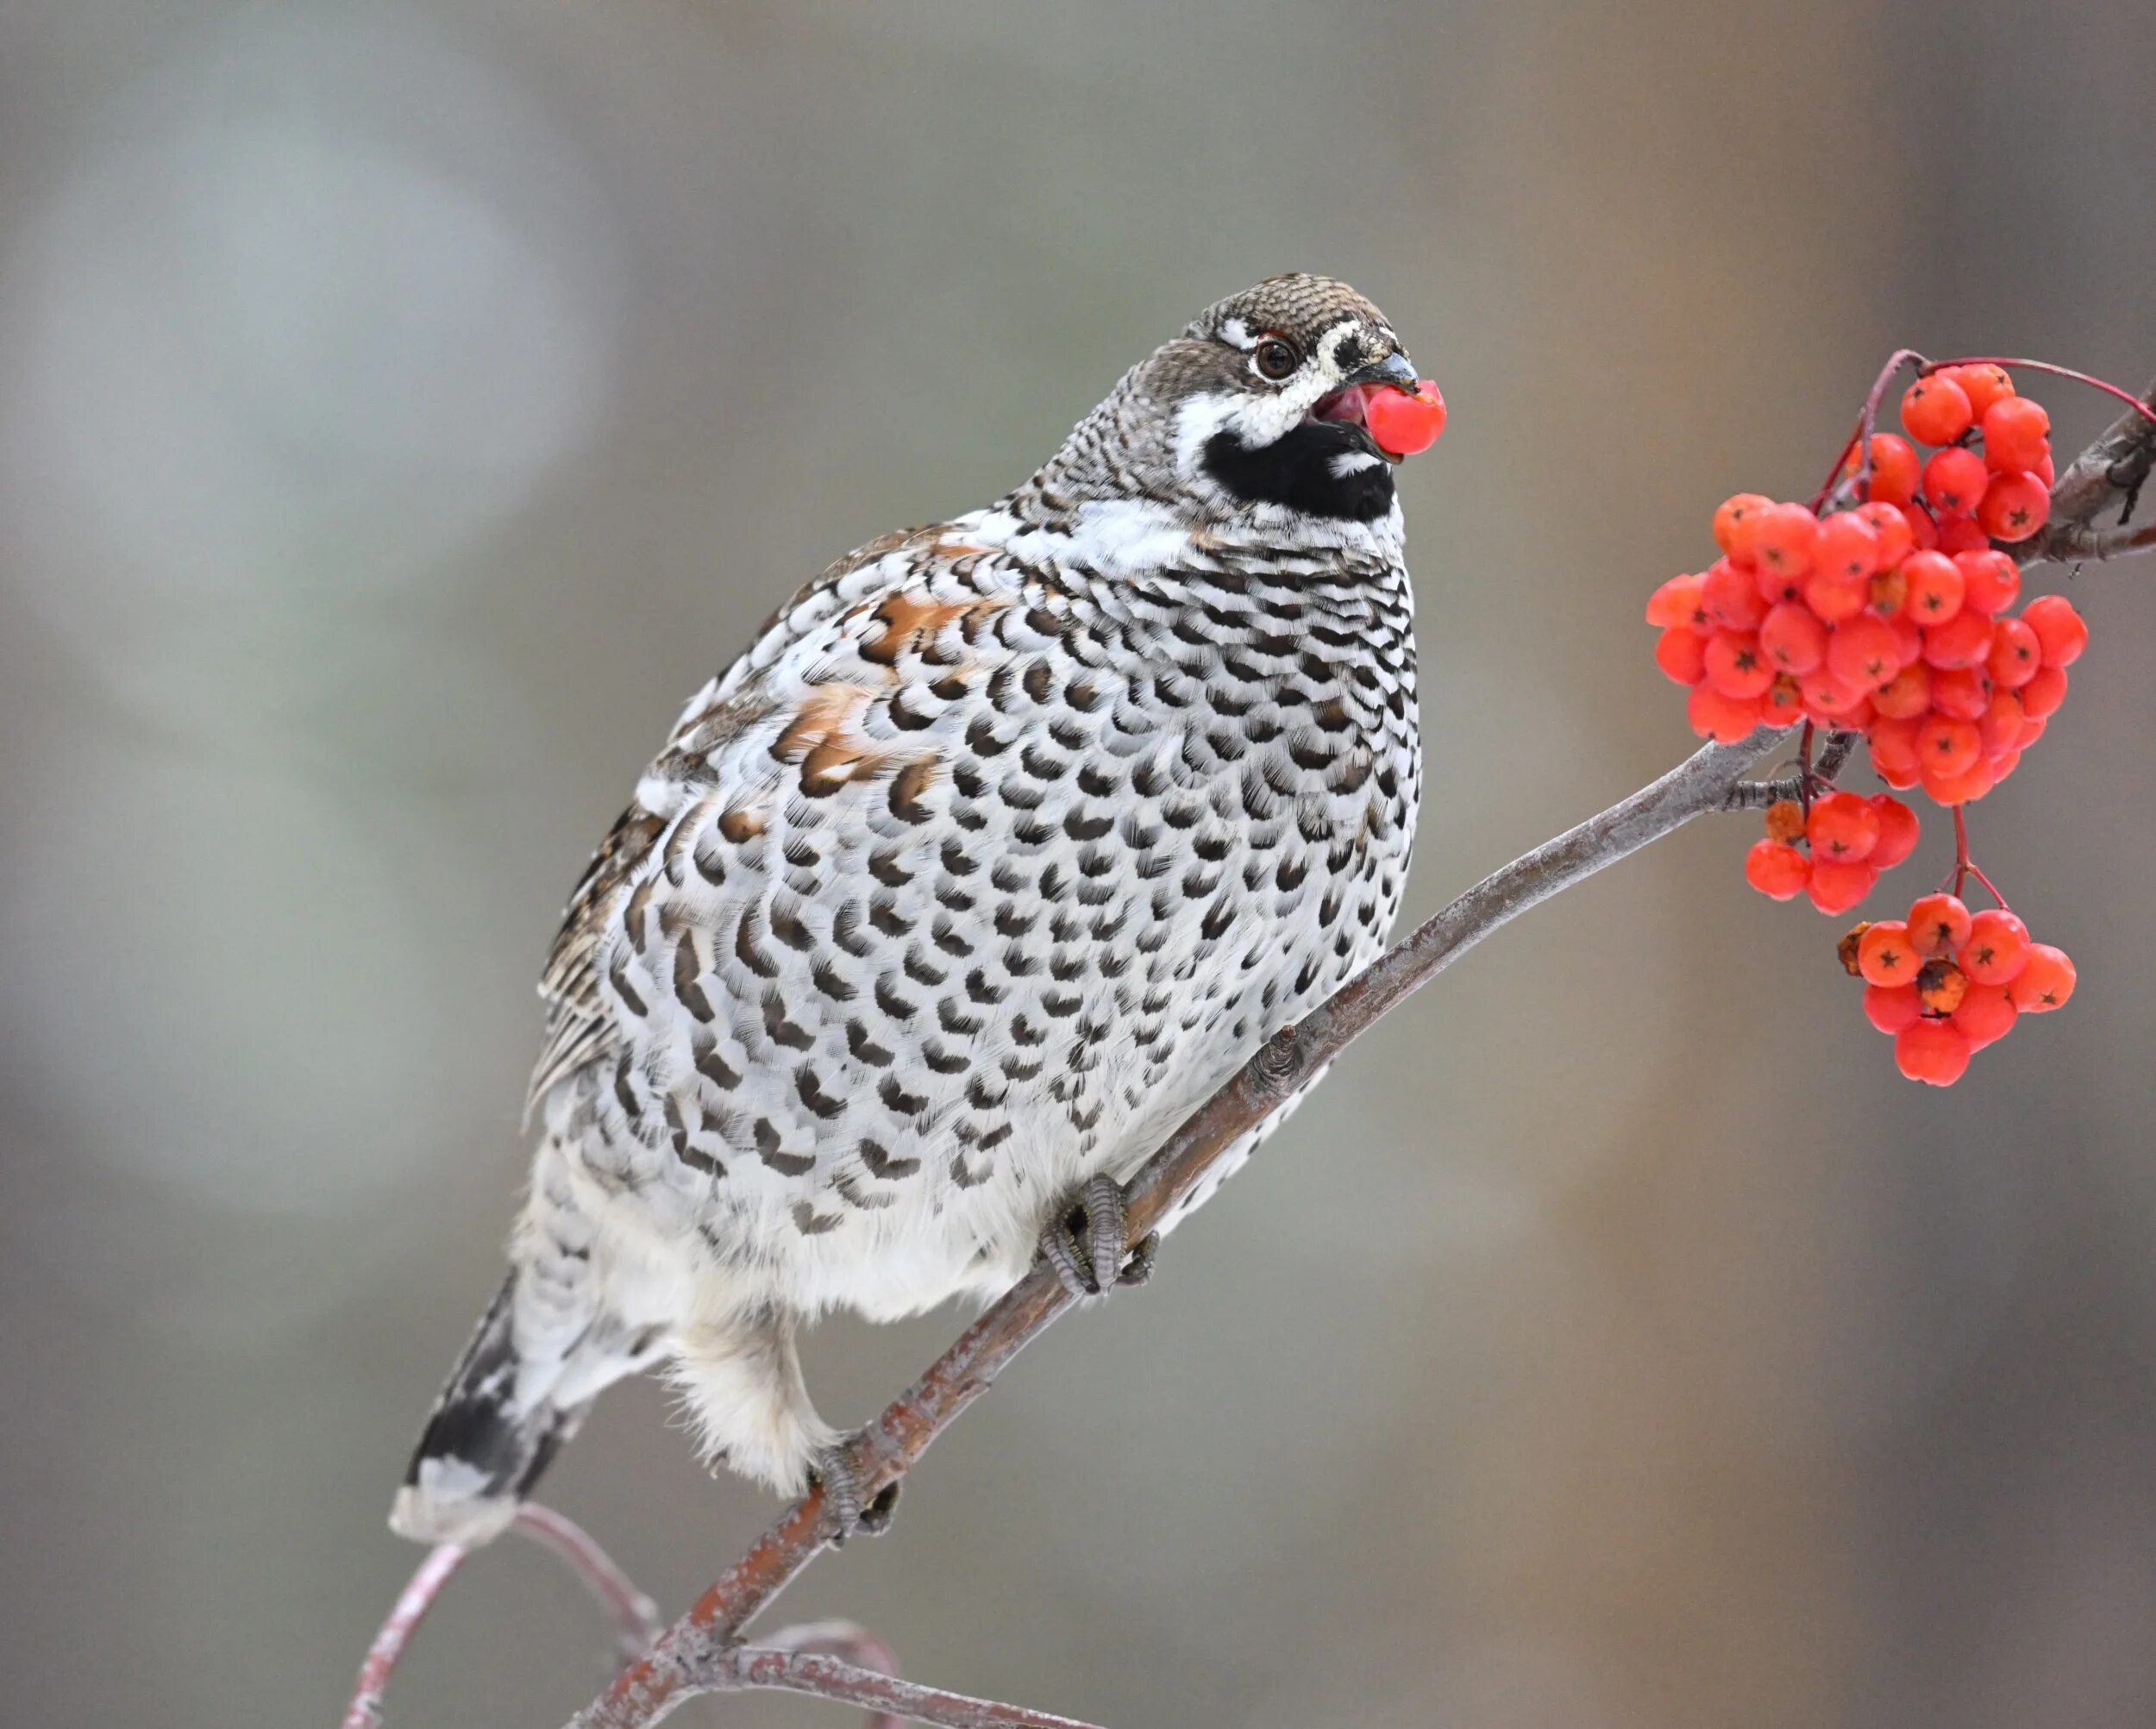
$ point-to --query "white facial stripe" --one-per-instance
(1238, 334)
(1353, 462)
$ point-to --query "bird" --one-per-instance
(1003, 845)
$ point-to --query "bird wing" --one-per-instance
(578, 1030)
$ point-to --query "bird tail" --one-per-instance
(483, 1447)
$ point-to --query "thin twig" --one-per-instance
(856, 1644)
(696, 1653)
(832, 1677)
(365, 1712)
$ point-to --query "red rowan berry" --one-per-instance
(1678, 602)
(1862, 651)
(1786, 536)
(1991, 581)
(1827, 697)
(1889, 526)
(2001, 724)
(1892, 741)
(1405, 424)
(1681, 652)
(2044, 982)
(1834, 597)
(1987, 1014)
(2013, 506)
(1899, 832)
(1734, 665)
(1785, 821)
(1845, 951)
(2062, 632)
(1793, 638)
(1959, 534)
(1907, 695)
(1935, 586)
(2041, 696)
(1965, 640)
(1842, 826)
(1845, 546)
(1909, 639)
(1997, 948)
(1961, 694)
(1891, 1007)
(1933, 1051)
(1884, 955)
(1940, 986)
(1938, 923)
(1774, 588)
(1836, 886)
(1726, 720)
(1971, 784)
(1731, 598)
(2016, 435)
(1730, 512)
(2015, 654)
(1983, 384)
(1895, 470)
(2004, 764)
(1923, 531)
(1954, 481)
(1935, 410)
(1889, 593)
(1777, 870)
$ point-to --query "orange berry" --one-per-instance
(2013, 506)
(1889, 528)
(1785, 821)
(1787, 534)
(1987, 1014)
(1895, 470)
(1885, 956)
(1965, 640)
(1862, 651)
(1827, 697)
(1940, 986)
(1676, 602)
(1959, 534)
(1954, 481)
(1997, 948)
(2000, 725)
(2016, 435)
(2042, 695)
(1792, 637)
(1909, 638)
(1837, 886)
(1681, 652)
(2016, 654)
(1842, 826)
(1935, 1052)
(1948, 747)
(1835, 598)
(1784, 703)
(1961, 694)
(1891, 1007)
(1938, 923)
(1907, 695)
(2062, 632)
(1900, 779)
(2004, 764)
(1991, 581)
(1983, 384)
(1777, 870)
(1730, 512)
(1892, 741)
(1899, 832)
(1726, 720)
(1923, 531)
(1730, 597)
(1890, 594)
(2044, 982)
(1734, 665)
(1935, 587)
(1845, 547)
(1936, 410)
(1973, 783)
(1405, 423)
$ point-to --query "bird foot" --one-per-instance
(1087, 1244)
(845, 1509)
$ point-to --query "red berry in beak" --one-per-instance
(1402, 424)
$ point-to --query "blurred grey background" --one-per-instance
(404, 407)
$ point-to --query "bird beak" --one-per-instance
(1395, 369)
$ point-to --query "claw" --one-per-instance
(1086, 1244)
(844, 1507)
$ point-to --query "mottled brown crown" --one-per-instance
(1296, 305)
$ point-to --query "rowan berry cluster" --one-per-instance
(1834, 852)
(1891, 617)
(1945, 982)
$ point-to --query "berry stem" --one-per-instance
(1860, 441)
(1965, 866)
(2132, 401)
(1804, 771)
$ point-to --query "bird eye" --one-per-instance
(1276, 358)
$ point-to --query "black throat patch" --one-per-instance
(1296, 470)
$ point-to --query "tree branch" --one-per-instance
(696, 1653)
(890, 1700)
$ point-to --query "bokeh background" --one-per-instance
(404, 406)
